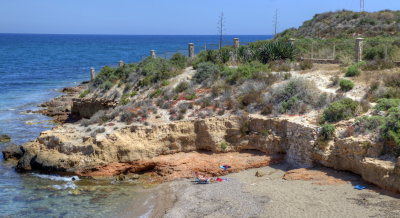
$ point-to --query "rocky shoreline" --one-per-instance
(64, 149)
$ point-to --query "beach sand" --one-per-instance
(320, 192)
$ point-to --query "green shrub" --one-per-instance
(294, 96)
(179, 60)
(375, 52)
(190, 96)
(327, 131)
(165, 82)
(156, 69)
(306, 65)
(391, 129)
(340, 110)
(107, 85)
(385, 104)
(369, 123)
(244, 72)
(224, 145)
(156, 93)
(84, 93)
(132, 94)
(346, 85)
(352, 71)
(113, 75)
(182, 86)
(206, 71)
(124, 99)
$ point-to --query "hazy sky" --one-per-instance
(166, 16)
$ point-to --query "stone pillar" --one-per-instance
(121, 63)
(153, 53)
(359, 49)
(191, 50)
(291, 41)
(92, 73)
(236, 43)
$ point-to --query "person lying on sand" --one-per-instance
(201, 178)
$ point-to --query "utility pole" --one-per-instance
(362, 5)
(221, 28)
(276, 22)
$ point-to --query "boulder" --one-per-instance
(12, 152)
(5, 138)
(260, 173)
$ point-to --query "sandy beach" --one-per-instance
(321, 192)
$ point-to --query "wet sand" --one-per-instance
(246, 195)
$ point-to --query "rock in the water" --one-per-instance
(4, 138)
(260, 173)
(12, 152)
(75, 192)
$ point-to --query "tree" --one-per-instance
(221, 28)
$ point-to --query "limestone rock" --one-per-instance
(260, 173)
(12, 152)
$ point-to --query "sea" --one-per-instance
(33, 69)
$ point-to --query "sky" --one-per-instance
(167, 17)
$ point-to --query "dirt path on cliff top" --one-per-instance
(303, 193)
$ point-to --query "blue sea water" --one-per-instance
(32, 69)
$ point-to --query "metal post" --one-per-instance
(153, 53)
(120, 63)
(359, 49)
(236, 43)
(191, 50)
(92, 73)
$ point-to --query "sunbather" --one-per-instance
(201, 178)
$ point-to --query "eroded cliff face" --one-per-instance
(361, 156)
(65, 149)
(86, 107)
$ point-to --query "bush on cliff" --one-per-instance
(327, 131)
(352, 71)
(346, 85)
(156, 69)
(385, 104)
(112, 75)
(251, 70)
(206, 73)
(296, 96)
(340, 110)
(179, 60)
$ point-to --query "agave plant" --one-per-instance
(275, 50)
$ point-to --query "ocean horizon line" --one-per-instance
(86, 34)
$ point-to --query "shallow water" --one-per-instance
(32, 69)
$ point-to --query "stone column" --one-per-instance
(291, 41)
(153, 53)
(92, 73)
(359, 49)
(191, 50)
(236, 43)
(121, 63)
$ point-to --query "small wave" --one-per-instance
(57, 178)
(69, 185)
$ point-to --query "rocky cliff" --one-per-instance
(63, 149)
